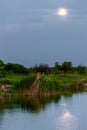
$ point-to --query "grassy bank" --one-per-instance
(62, 83)
(17, 83)
(45, 84)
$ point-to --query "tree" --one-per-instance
(57, 68)
(1, 63)
(66, 67)
(81, 69)
(16, 68)
(2, 71)
(42, 68)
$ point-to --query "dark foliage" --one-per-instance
(81, 69)
(66, 67)
(42, 68)
(15, 68)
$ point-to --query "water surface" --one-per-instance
(44, 113)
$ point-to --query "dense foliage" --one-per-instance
(65, 67)
(42, 68)
(10, 68)
(15, 68)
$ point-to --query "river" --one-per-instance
(44, 113)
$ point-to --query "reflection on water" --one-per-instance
(44, 113)
(64, 104)
(19, 112)
(32, 104)
(67, 121)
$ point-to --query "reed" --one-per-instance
(61, 83)
(24, 83)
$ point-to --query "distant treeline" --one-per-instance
(65, 67)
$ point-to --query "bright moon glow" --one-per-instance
(62, 12)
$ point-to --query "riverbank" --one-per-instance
(63, 82)
(34, 85)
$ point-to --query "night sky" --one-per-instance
(43, 31)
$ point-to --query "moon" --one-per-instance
(62, 12)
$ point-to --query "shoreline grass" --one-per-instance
(52, 84)
(62, 82)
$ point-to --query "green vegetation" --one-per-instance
(42, 68)
(10, 79)
(24, 83)
(57, 79)
(17, 82)
(62, 83)
(15, 68)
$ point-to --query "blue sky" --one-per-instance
(31, 32)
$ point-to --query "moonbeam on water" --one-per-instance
(67, 121)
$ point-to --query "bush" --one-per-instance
(16, 68)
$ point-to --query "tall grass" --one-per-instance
(24, 83)
(47, 83)
(11, 79)
(61, 83)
